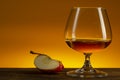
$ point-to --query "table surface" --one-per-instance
(35, 74)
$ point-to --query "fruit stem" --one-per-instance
(32, 52)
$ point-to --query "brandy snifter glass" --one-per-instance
(88, 30)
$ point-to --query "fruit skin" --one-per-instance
(60, 67)
(55, 70)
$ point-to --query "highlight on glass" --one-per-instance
(88, 30)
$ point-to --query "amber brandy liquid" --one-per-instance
(87, 45)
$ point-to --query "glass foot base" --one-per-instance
(86, 74)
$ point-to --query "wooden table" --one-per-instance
(35, 74)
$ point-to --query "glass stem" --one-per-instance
(87, 64)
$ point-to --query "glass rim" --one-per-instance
(76, 7)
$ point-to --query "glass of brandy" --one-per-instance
(88, 30)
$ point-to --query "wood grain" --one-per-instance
(35, 74)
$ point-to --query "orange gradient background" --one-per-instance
(38, 25)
